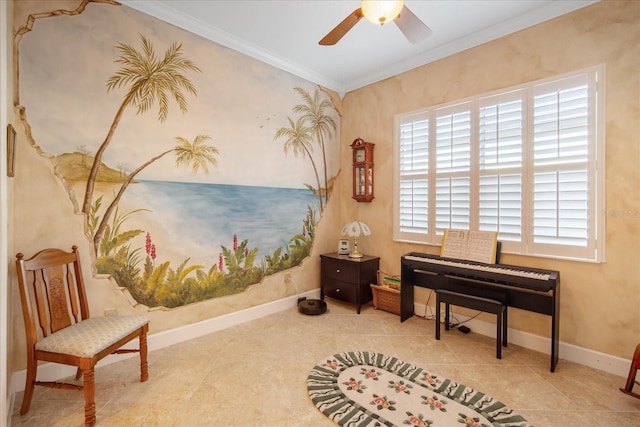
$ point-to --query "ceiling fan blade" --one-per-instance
(411, 26)
(342, 28)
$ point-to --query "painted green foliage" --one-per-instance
(149, 79)
(160, 285)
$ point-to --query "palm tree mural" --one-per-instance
(150, 79)
(197, 155)
(321, 124)
(298, 139)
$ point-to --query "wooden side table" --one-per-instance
(348, 279)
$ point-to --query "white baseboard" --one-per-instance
(605, 362)
(591, 358)
(54, 371)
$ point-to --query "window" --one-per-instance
(526, 162)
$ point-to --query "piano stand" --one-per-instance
(524, 288)
(475, 303)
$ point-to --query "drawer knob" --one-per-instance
(338, 271)
(338, 290)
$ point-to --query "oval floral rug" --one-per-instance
(363, 388)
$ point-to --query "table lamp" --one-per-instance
(355, 229)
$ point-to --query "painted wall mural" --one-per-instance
(198, 170)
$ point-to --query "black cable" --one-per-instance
(465, 321)
(452, 315)
(426, 306)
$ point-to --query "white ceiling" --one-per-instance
(285, 33)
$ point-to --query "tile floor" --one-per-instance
(254, 374)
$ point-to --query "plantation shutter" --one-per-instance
(413, 203)
(526, 162)
(561, 148)
(500, 142)
(453, 168)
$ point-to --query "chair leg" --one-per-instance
(89, 397)
(144, 366)
(30, 383)
(631, 379)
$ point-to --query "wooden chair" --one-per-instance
(59, 329)
(631, 379)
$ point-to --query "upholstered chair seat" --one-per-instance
(91, 336)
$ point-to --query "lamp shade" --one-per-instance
(381, 11)
(356, 229)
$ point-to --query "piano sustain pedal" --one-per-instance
(464, 329)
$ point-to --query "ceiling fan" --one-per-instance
(381, 12)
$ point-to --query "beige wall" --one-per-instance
(600, 303)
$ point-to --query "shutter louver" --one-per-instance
(561, 155)
(413, 203)
(500, 163)
(501, 206)
(452, 204)
(561, 208)
(414, 206)
(561, 127)
(453, 169)
(453, 142)
(500, 135)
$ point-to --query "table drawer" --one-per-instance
(342, 271)
(347, 292)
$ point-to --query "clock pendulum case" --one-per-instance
(362, 170)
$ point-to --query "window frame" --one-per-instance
(594, 251)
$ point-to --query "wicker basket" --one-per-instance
(385, 298)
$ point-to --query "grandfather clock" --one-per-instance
(362, 170)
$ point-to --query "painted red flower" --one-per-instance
(235, 242)
(152, 252)
(147, 244)
(220, 262)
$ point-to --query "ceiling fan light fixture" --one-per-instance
(381, 11)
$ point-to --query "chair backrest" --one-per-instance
(51, 291)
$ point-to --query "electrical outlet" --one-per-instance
(108, 312)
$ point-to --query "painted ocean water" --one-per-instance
(200, 218)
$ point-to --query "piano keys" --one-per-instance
(526, 288)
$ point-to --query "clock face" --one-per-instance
(360, 155)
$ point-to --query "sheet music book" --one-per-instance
(470, 245)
